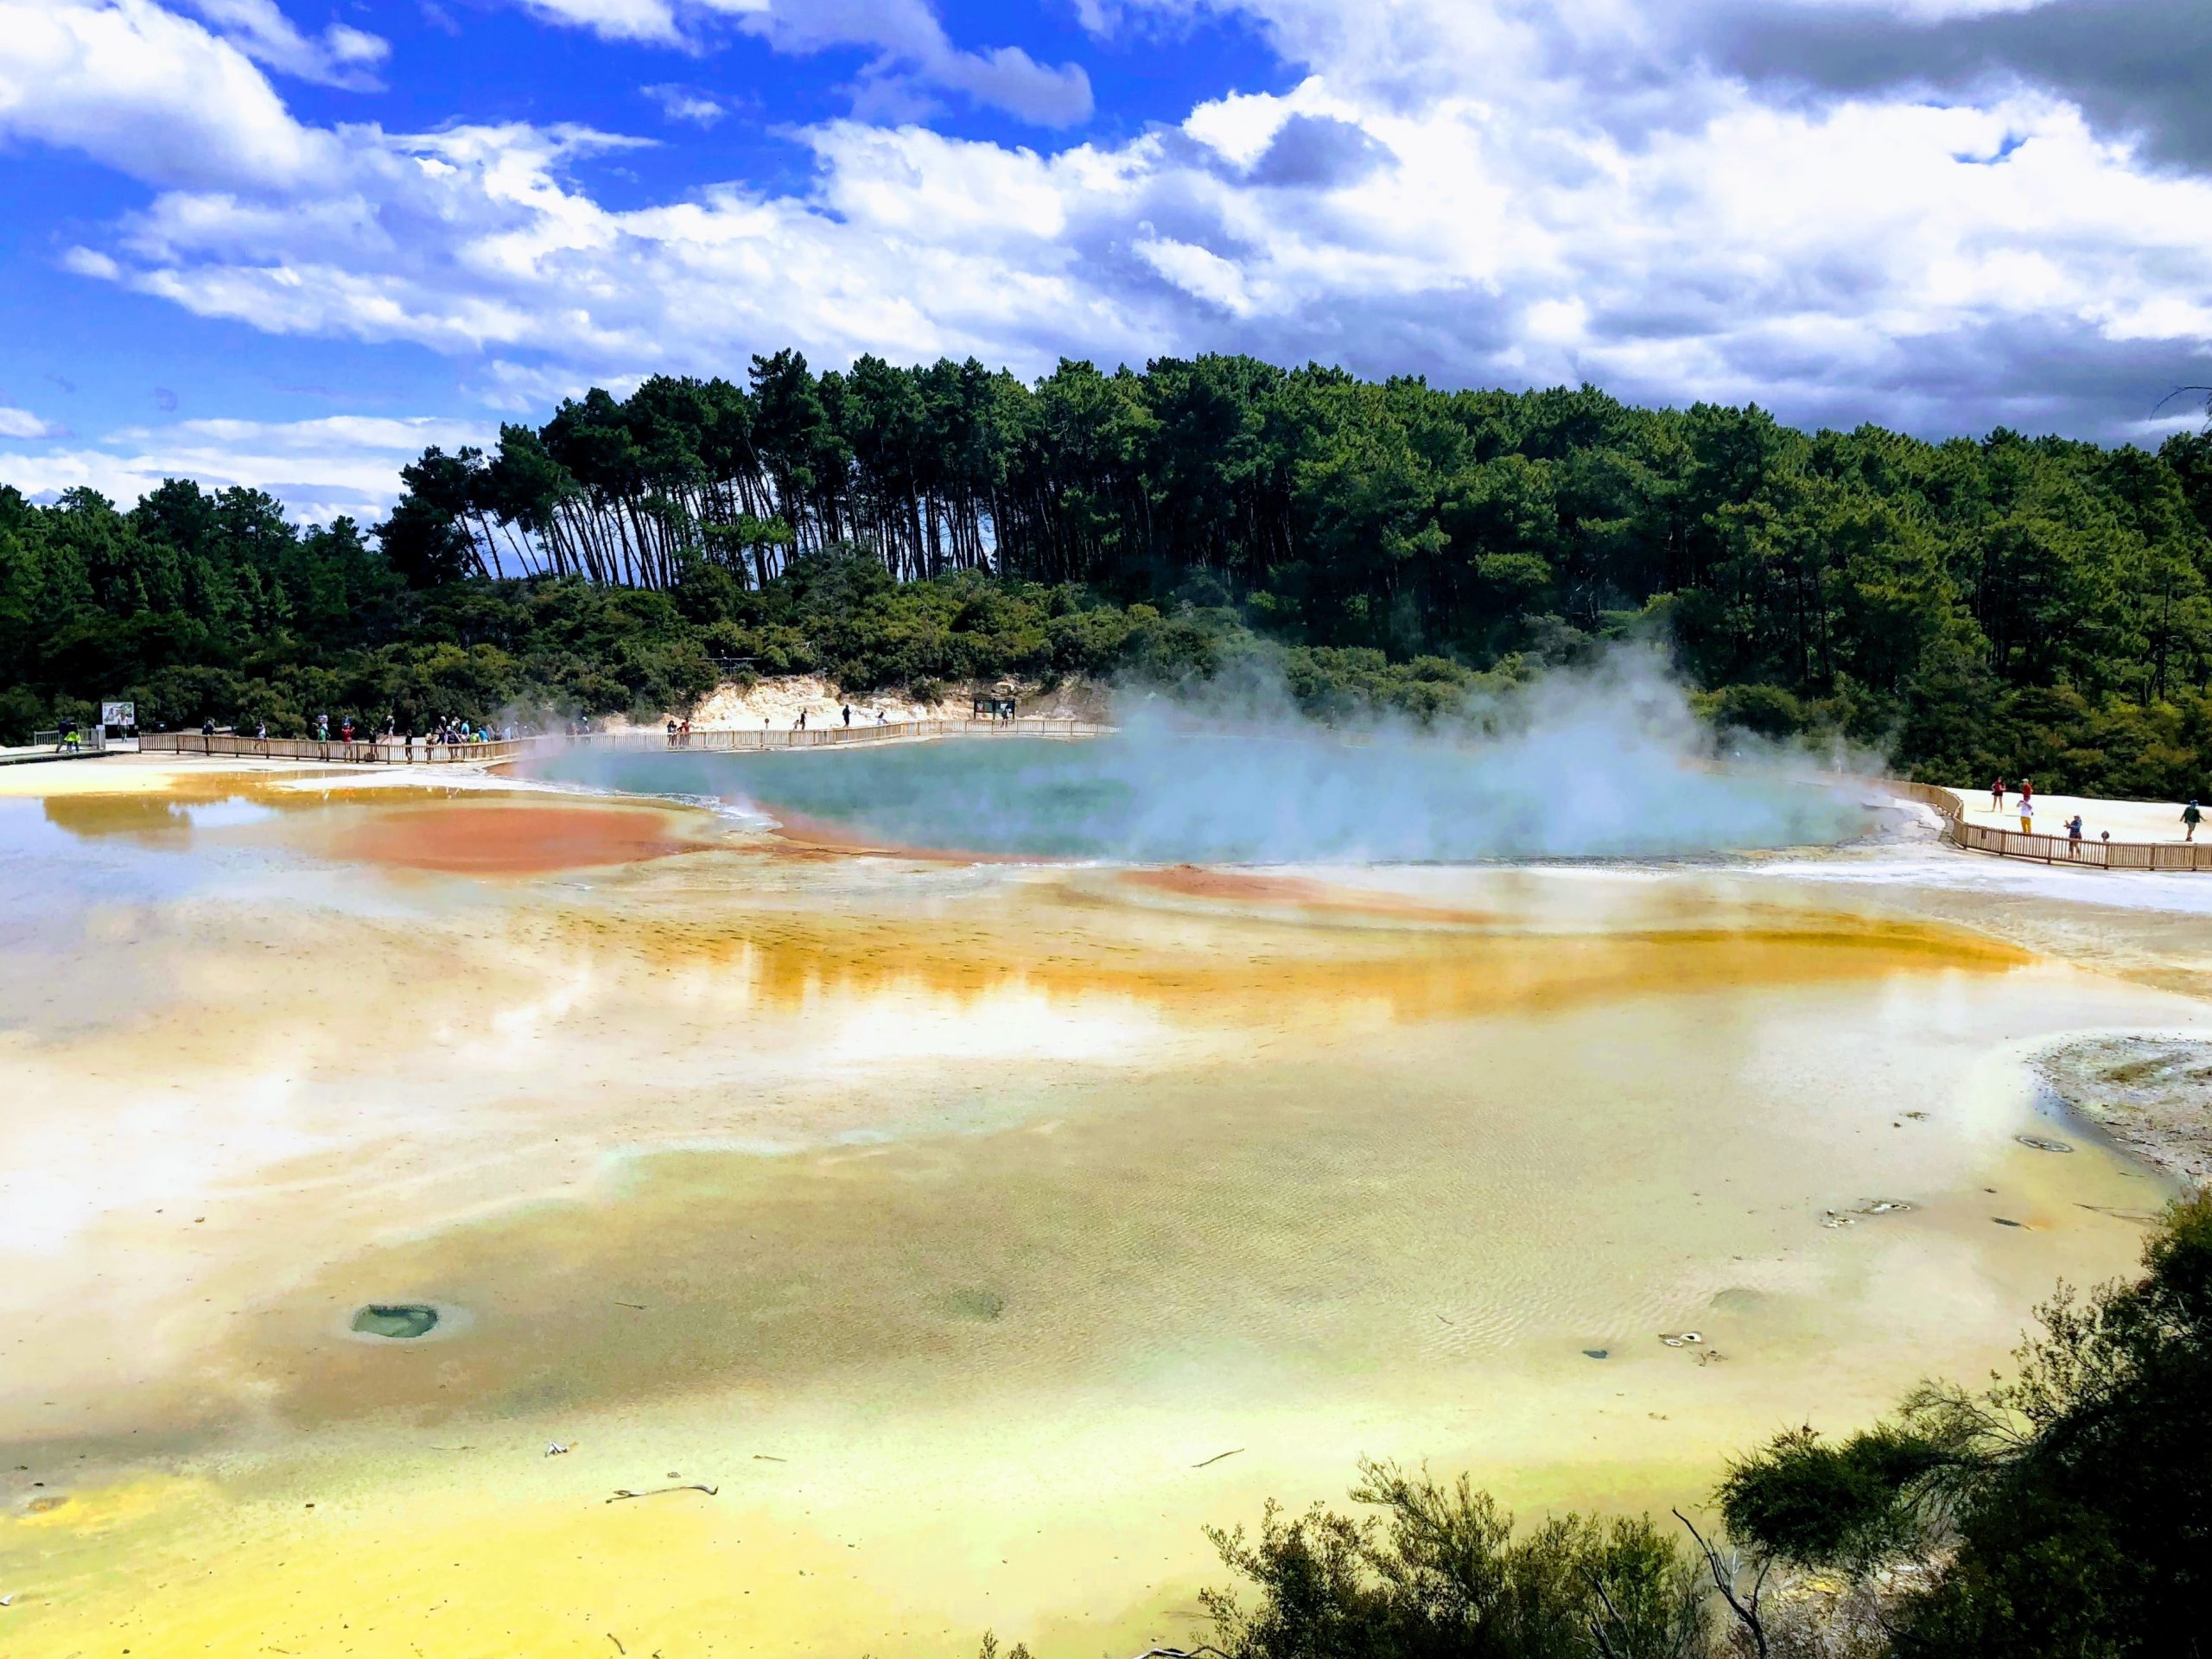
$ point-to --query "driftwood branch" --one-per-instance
(622, 1492)
(1605, 1648)
(1724, 1580)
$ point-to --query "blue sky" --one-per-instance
(287, 244)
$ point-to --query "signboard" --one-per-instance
(119, 714)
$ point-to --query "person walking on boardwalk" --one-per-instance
(2027, 813)
(849, 714)
(2074, 837)
(2190, 817)
(1997, 795)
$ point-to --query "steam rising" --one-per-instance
(1606, 762)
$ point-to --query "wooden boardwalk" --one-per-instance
(2086, 853)
(46, 746)
(397, 751)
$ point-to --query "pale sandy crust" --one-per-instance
(2154, 1095)
(776, 702)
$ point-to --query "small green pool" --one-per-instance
(398, 1320)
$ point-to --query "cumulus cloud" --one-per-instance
(1318, 149)
(342, 464)
(22, 423)
(340, 56)
(2137, 69)
(151, 94)
(914, 60)
(1485, 191)
(686, 104)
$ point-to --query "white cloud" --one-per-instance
(1483, 191)
(341, 56)
(915, 59)
(615, 20)
(150, 94)
(22, 423)
(1198, 272)
(686, 104)
(320, 468)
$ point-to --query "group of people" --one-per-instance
(449, 731)
(679, 731)
(2192, 815)
(2027, 808)
(461, 731)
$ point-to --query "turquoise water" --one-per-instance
(1164, 798)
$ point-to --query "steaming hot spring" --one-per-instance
(851, 1200)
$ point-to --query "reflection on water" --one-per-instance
(951, 1222)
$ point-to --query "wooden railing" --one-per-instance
(391, 751)
(826, 737)
(2053, 849)
(90, 740)
(386, 751)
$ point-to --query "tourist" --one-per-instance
(2027, 813)
(321, 728)
(2074, 837)
(2190, 817)
(671, 733)
(1997, 795)
(261, 731)
(346, 730)
(849, 714)
(799, 724)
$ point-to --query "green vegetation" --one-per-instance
(2037, 607)
(1447, 1576)
(2066, 1512)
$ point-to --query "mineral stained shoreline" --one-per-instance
(2152, 1095)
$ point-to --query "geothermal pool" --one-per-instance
(976, 1230)
(1151, 793)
